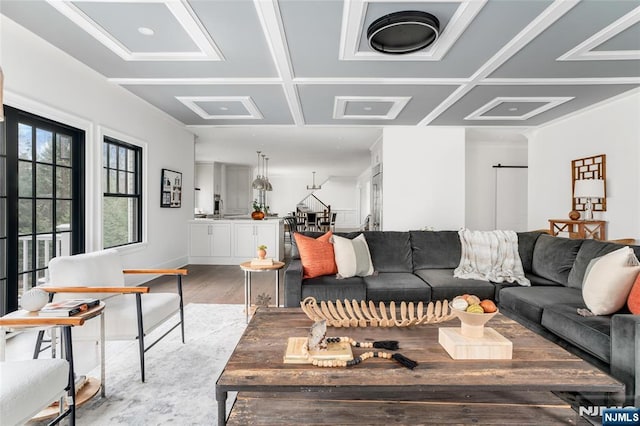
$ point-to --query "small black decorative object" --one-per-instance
(171, 189)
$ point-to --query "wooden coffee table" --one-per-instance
(514, 390)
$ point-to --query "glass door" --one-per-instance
(44, 212)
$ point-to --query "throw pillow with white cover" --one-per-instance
(490, 256)
(352, 256)
(608, 281)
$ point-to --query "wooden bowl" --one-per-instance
(473, 323)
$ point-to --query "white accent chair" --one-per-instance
(29, 386)
(130, 312)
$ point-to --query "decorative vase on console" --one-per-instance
(257, 213)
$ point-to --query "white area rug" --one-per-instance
(180, 378)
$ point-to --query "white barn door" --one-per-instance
(511, 197)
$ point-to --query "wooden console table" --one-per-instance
(579, 228)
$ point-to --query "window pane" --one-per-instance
(131, 161)
(44, 216)
(120, 221)
(131, 183)
(45, 250)
(44, 145)
(113, 156)
(63, 247)
(3, 256)
(44, 180)
(25, 249)
(25, 140)
(122, 158)
(122, 182)
(24, 279)
(63, 150)
(3, 219)
(113, 181)
(25, 225)
(3, 171)
(25, 179)
(63, 182)
(63, 215)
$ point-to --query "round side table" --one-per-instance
(248, 270)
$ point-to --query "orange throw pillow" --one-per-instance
(633, 302)
(316, 255)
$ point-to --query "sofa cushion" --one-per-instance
(390, 251)
(633, 301)
(591, 334)
(526, 244)
(435, 249)
(352, 256)
(317, 255)
(538, 280)
(396, 286)
(529, 302)
(553, 257)
(445, 286)
(590, 249)
(327, 287)
(608, 281)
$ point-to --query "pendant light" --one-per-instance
(258, 183)
(314, 187)
(267, 184)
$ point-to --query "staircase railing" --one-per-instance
(311, 203)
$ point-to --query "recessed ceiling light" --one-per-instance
(513, 109)
(368, 108)
(146, 31)
(224, 109)
(403, 32)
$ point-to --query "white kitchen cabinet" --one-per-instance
(208, 241)
(250, 235)
(233, 241)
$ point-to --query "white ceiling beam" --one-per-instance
(272, 26)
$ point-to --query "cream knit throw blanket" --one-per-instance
(490, 256)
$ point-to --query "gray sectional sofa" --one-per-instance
(418, 266)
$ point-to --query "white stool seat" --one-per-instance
(28, 386)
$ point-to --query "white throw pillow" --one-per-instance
(352, 256)
(608, 280)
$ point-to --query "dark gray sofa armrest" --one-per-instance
(293, 284)
(625, 354)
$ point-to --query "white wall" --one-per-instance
(41, 79)
(423, 178)
(612, 129)
(481, 156)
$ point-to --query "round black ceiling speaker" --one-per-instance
(403, 32)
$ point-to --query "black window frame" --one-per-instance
(107, 190)
(9, 298)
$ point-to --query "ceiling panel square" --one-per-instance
(581, 97)
(234, 26)
(122, 20)
(313, 31)
(318, 102)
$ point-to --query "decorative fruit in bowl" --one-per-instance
(473, 313)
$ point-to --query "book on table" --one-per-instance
(67, 308)
(262, 262)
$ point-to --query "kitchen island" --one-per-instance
(233, 240)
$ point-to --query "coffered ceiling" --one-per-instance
(244, 64)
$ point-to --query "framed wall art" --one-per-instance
(171, 189)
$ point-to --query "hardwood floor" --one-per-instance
(223, 284)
